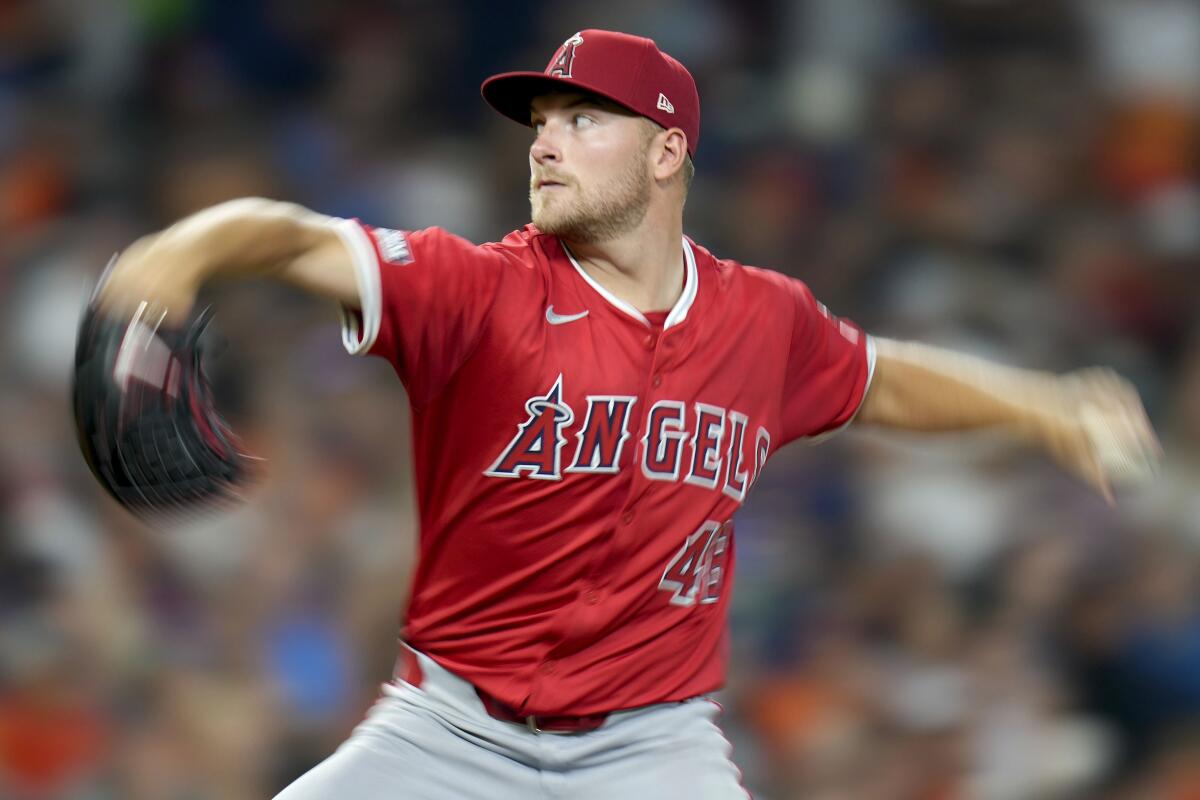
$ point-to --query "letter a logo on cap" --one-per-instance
(561, 67)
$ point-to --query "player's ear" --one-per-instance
(670, 154)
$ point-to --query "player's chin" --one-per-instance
(551, 201)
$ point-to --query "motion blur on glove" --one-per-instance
(145, 417)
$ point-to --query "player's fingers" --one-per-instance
(1102, 387)
(1133, 417)
(1119, 399)
(1094, 473)
(1137, 418)
(1142, 420)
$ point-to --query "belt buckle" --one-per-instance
(531, 723)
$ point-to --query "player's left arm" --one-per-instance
(1090, 421)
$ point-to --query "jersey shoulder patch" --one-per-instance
(393, 246)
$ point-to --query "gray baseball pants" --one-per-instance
(436, 742)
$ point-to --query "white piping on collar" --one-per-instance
(682, 305)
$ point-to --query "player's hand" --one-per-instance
(1099, 430)
(149, 271)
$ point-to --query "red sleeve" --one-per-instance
(425, 297)
(829, 367)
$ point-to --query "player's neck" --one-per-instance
(643, 267)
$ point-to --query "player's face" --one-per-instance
(589, 172)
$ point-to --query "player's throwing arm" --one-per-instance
(1091, 421)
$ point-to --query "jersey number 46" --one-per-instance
(694, 574)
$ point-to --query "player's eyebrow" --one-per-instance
(598, 102)
(589, 101)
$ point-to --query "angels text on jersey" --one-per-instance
(701, 443)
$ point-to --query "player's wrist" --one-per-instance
(154, 275)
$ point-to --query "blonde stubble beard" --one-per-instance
(601, 215)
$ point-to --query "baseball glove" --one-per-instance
(145, 417)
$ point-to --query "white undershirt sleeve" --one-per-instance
(358, 338)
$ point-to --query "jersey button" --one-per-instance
(649, 342)
(627, 517)
(591, 597)
(657, 382)
(547, 668)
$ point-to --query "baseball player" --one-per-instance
(593, 399)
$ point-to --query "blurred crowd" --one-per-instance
(915, 618)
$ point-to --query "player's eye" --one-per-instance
(582, 121)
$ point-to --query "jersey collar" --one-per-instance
(678, 313)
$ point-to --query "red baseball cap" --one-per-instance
(629, 70)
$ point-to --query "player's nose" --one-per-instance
(544, 150)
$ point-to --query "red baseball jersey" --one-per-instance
(578, 462)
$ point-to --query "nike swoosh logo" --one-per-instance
(562, 319)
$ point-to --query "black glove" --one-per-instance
(145, 417)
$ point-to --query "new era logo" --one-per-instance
(664, 104)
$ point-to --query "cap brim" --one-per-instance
(512, 93)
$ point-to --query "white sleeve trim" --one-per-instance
(366, 271)
(820, 437)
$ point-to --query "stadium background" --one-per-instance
(914, 618)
